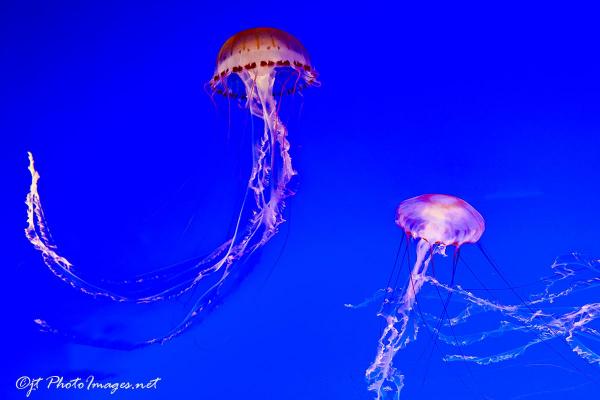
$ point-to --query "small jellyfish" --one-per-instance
(269, 63)
(435, 222)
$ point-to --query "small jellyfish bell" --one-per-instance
(440, 219)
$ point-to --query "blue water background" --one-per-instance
(498, 105)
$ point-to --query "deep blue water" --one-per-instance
(498, 105)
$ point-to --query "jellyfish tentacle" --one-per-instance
(445, 316)
(266, 218)
(445, 302)
(383, 379)
(263, 202)
(447, 220)
(571, 326)
(268, 215)
(38, 234)
(172, 272)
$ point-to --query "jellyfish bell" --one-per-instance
(256, 56)
(440, 219)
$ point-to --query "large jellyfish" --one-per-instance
(435, 222)
(268, 62)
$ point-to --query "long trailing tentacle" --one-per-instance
(537, 317)
(543, 323)
(263, 204)
(383, 379)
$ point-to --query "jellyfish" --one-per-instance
(260, 59)
(436, 222)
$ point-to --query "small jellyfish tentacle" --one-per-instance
(383, 379)
(572, 326)
(444, 319)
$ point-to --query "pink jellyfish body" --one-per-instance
(440, 219)
(434, 221)
(260, 58)
(257, 56)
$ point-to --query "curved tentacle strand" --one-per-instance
(383, 379)
(264, 203)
